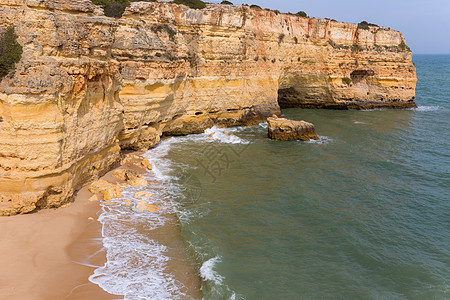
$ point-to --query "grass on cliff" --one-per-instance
(10, 51)
(195, 4)
(403, 46)
(115, 8)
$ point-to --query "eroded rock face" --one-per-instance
(282, 129)
(88, 86)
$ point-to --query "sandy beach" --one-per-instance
(42, 254)
(50, 254)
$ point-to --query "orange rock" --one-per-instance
(146, 164)
(282, 129)
(130, 176)
(94, 198)
(107, 189)
(144, 206)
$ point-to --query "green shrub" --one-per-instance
(226, 2)
(115, 8)
(403, 46)
(195, 4)
(302, 14)
(164, 27)
(193, 60)
(10, 51)
(356, 48)
(347, 80)
(365, 25)
(255, 6)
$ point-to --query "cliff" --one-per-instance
(88, 86)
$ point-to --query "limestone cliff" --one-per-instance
(88, 86)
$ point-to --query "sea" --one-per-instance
(362, 213)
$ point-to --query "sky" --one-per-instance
(424, 23)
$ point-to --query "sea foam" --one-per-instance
(207, 271)
(427, 108)
(135, 262)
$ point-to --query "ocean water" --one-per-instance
(363, 213)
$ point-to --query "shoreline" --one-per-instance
(44, 259)
(52, 252)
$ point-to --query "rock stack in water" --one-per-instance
(282, 129)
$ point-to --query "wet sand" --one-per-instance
(50, 254)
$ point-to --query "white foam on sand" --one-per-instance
(135, 262)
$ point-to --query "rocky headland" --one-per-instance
(89, 86)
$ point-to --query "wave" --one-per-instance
(322, 140)
(215, 282)
(224, 135)
(207, 271)
(427, 108)
(136, 263)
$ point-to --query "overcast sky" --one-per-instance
(424, 23)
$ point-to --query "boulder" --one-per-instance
(147, 164)
(94, 198)
(107, 189)
(282, 129)
(130, 176)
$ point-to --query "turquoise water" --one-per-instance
(362, 214)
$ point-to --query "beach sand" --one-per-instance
(50, 254)
(41, 253)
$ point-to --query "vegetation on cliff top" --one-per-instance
(10, 51)
(365, 25)
(115, 8)
(196, 4)
(302, 14)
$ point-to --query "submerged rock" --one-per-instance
(282, 129)
(143, 195)
(144, 206)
